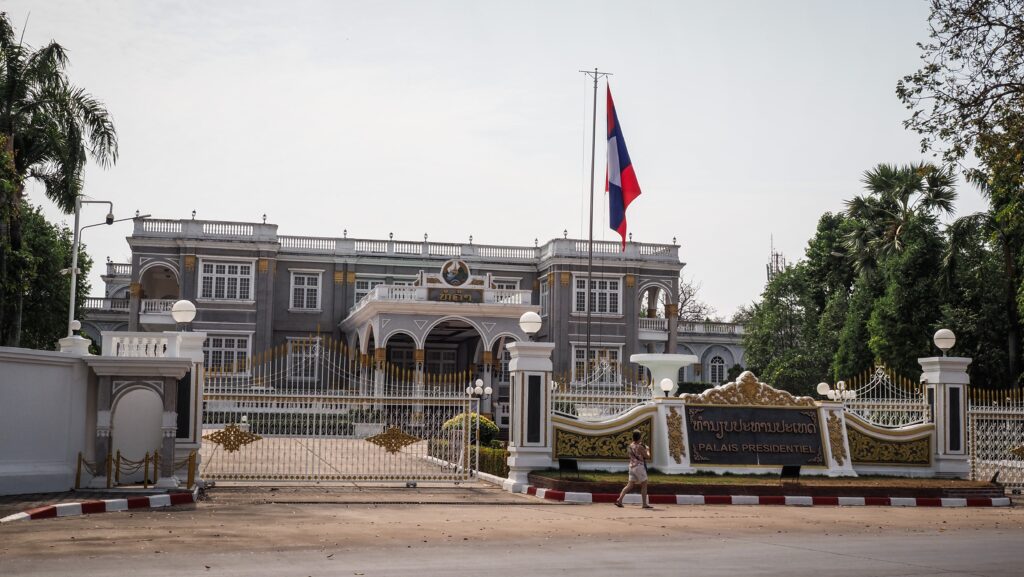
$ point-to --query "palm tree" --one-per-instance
(1000, 236)
(896, 197)
(50, 128)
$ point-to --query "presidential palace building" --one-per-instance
(448, 307)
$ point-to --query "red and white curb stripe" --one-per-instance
(104, 506)
(800, 501)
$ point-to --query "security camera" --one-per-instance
(110, 218)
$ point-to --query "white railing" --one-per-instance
(245, 231)
(307, 243)
(105, 304)
(507, 296)
(157, 306)
(156, 225)
(653, 324)
(124, 344)
(119, 269)
(406, 293)
(600, 402)
(710, 328)
(885, 402)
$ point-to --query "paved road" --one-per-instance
(235, 536)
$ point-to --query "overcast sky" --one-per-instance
(744, 120)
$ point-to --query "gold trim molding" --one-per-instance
(630, 280)
(748, 391)
(190, 262)
(339, 278)
(835, 438)
(674, 422)
(565, 278)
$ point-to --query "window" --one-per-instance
(364, 286)
(604, 364)
(403, 281)
(303, 358)
(544, 297)
(225, 281)
(503, 360)
(440, 362)
(306, 290)
(717, 370)
(226, 353)
(604, 296)
(402, 357)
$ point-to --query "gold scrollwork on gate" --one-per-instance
(674, 421)
(232, 438)
(865, 449)
(569, 444)
(1018, 452)
(393, 440)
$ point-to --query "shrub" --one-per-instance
(488, 430)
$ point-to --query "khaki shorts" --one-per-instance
(638, 474)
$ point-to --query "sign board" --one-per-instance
(720, 435)
(451, 295)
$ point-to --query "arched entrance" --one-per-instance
(452, 346)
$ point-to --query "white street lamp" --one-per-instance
(530, 323)
(183, 312)
(666, 385)
(841, 392)
(944, 339)
(479, 389)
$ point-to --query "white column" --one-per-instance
(946, 385)
(530, 429)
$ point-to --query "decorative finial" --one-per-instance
(424, 237)
(108, 259)
(193, 214)
(534, 242)
(136, 214)
(264, 218)
(470, 239)
(630, 237)
(674, 240)
(565, 233)
(344, 233)
(391, 236)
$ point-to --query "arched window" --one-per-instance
(717, 370)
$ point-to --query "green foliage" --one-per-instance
(494, 461)
(488, 430)
(50, 129)
(43, 290)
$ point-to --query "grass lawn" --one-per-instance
(768, 479)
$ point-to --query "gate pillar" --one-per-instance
(530, 428)
(946, 383)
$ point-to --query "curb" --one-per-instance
(105, 506)
(791, 500)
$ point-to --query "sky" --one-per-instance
(745, 121)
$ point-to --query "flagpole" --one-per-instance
(590, 237)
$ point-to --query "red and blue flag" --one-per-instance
(620, 180)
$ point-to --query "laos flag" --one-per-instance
(620, 183)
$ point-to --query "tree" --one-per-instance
(50, 127)
(969, 240)
(972, 80)
(44, 251)
(895, 196)
(691, 308)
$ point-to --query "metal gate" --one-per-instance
(886, 399)
(311, 411)
(996, 424)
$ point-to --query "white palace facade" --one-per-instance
(448, 307)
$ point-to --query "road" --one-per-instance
(469, 531)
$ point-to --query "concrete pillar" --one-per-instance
(102, 442)
(946, 384)
(168, 430)
(652, 302)
(530, 429)
(672, 316)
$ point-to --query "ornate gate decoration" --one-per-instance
(996, 424)
(887, 399)
(313, 411)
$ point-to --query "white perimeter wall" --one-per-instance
(43, 420)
